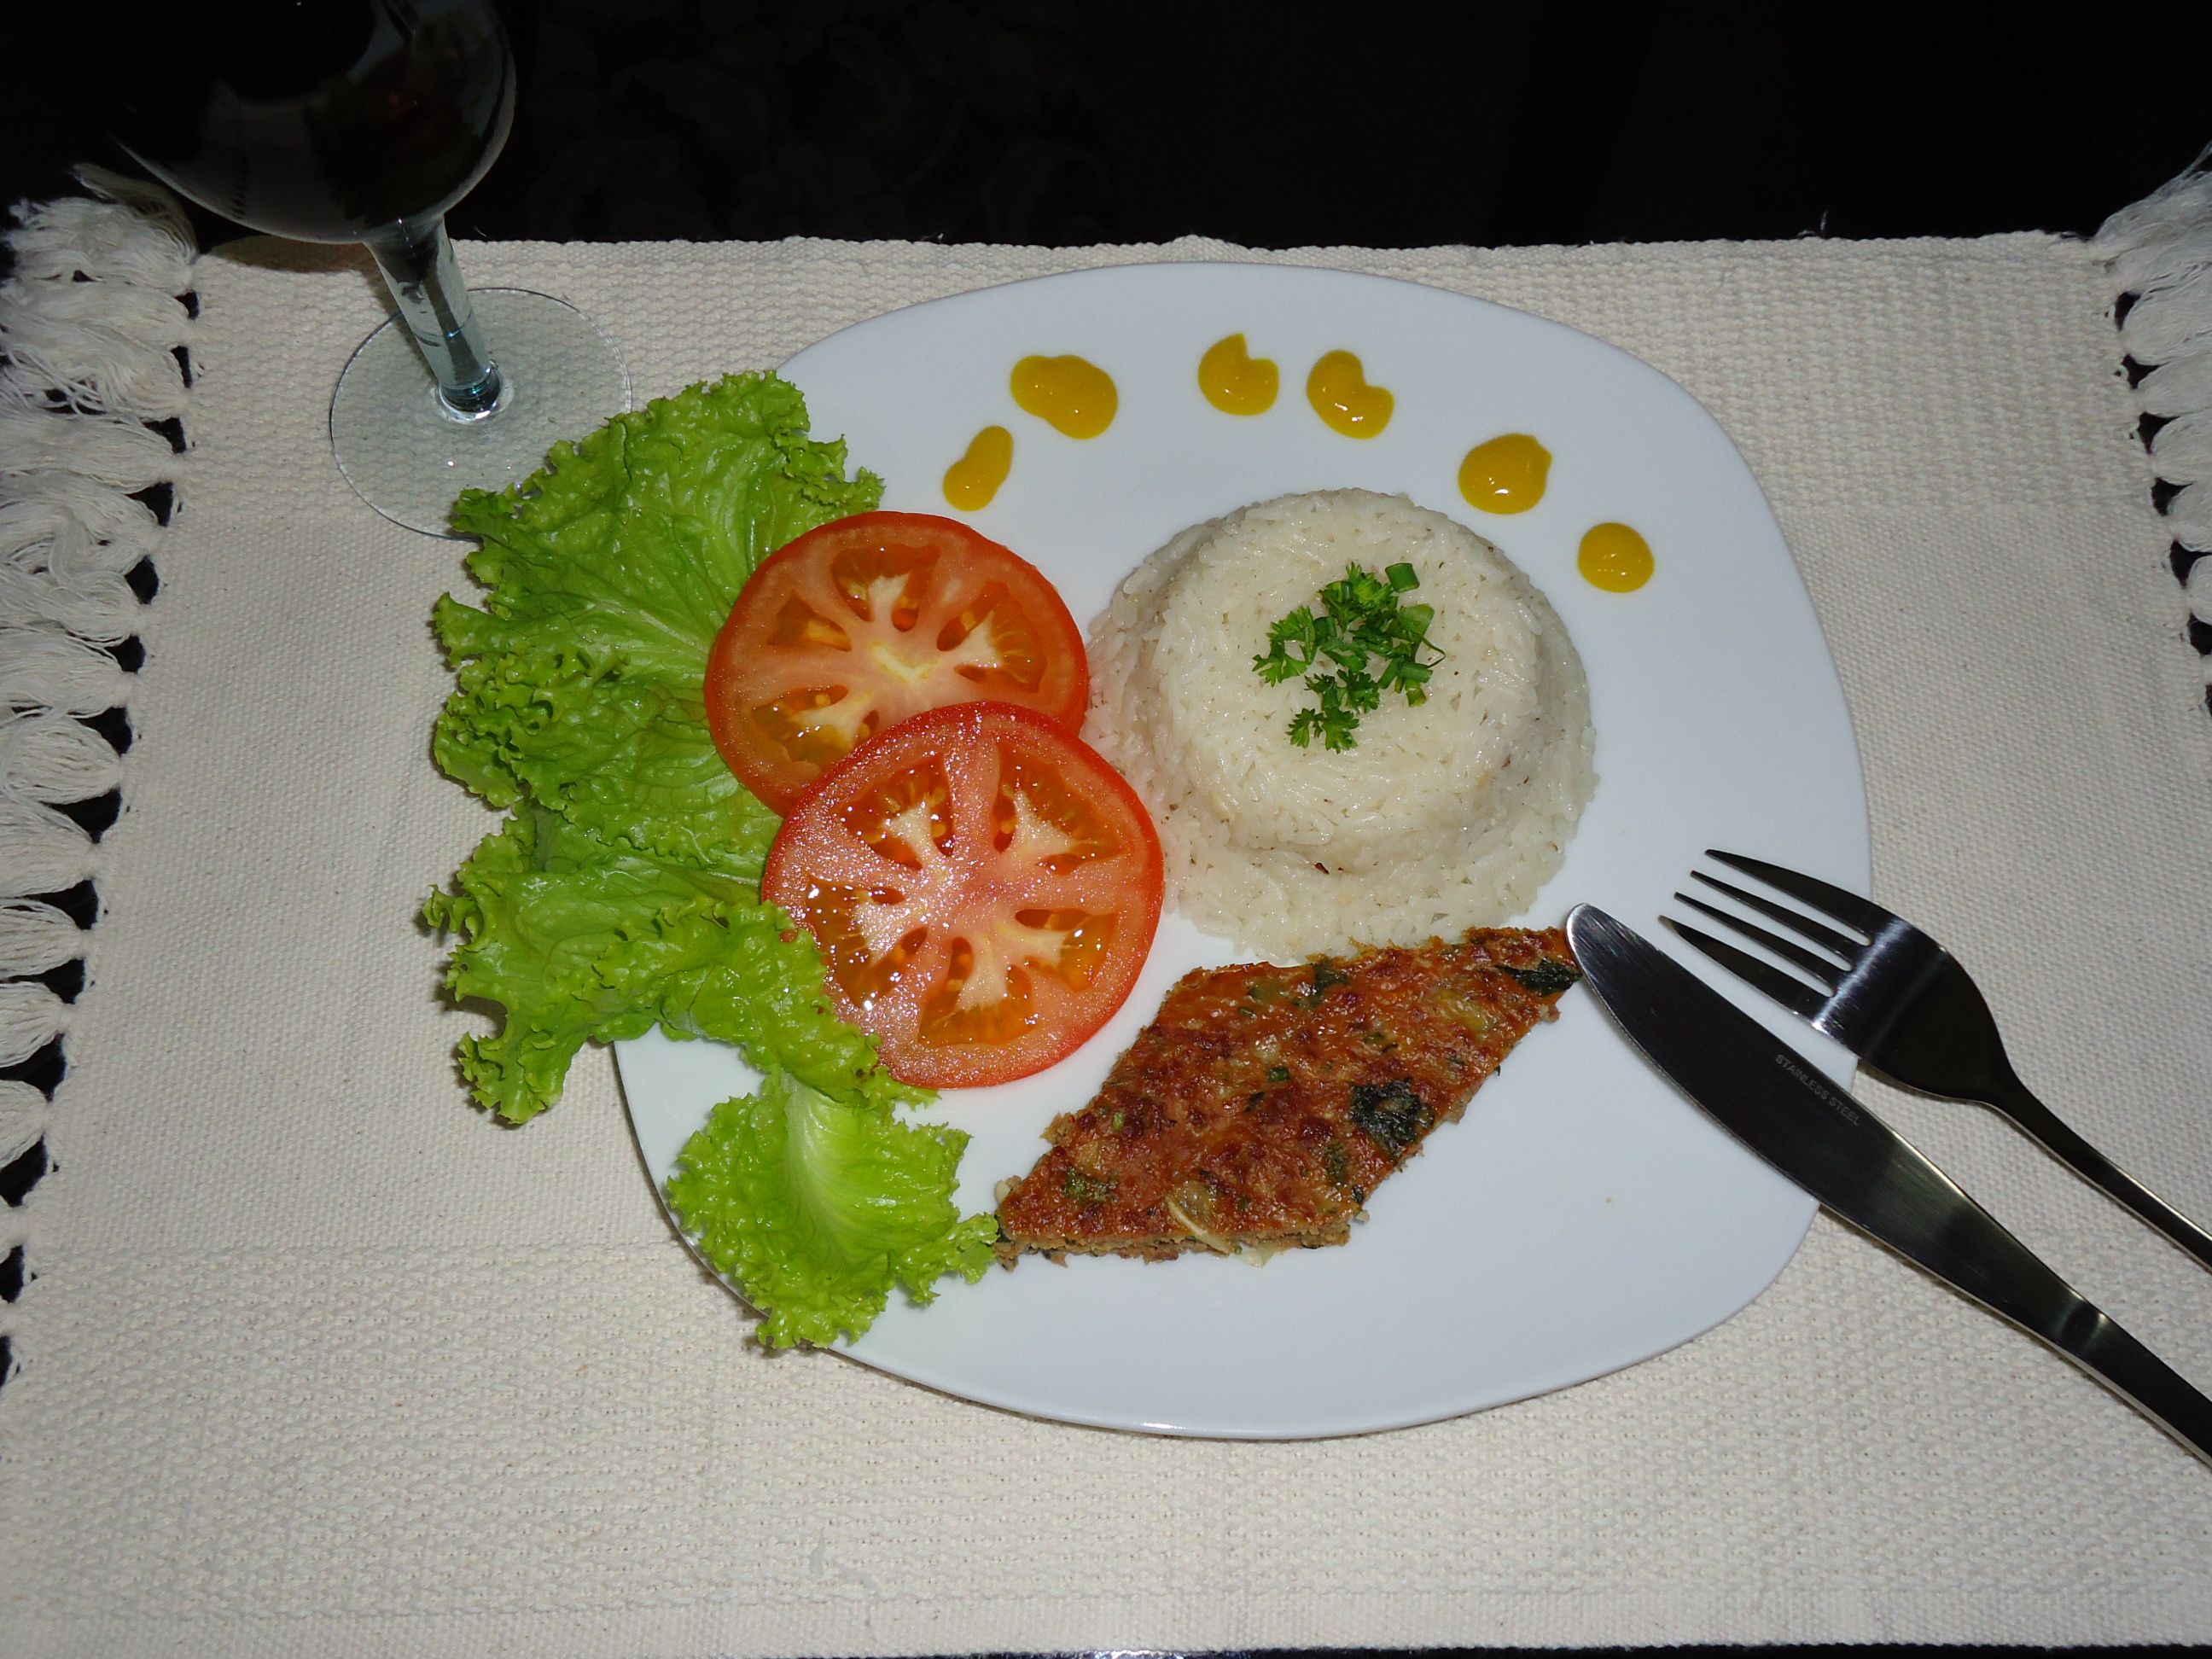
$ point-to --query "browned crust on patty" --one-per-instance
(1264, 1105)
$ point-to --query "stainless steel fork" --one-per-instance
(1902, 1003)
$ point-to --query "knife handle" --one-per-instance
(2093, 1339)
(1928, 1219)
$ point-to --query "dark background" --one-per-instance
(1381, 123)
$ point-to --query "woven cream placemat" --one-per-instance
(317, 1359)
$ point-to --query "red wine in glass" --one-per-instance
(367, 120)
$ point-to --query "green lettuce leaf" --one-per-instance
(818, 1207)
(623, 892)
(581, 941)
(610, 573)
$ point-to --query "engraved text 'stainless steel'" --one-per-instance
(1773, 1100)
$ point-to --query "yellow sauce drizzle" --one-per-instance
(1338, 391)
(1615, 557)
(1235, 383)
(971, 481)
(1505, 475)
(1074, 396)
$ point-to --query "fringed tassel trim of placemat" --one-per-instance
(95, 377)
(2161, 251)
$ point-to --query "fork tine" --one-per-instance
(1828, 973)
(1826, 938)
(1799, 998)
(1864, 914)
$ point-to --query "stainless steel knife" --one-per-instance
(1775, 1102)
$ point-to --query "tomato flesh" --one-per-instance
(984, 889)
(870, 621)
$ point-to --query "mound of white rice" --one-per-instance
(1445, 817)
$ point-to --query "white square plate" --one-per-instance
(1582, 1217)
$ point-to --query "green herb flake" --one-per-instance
(1364, 643)
(1279, 1074)
(1325, 975)
(1082, 1188)
(1545, 979)
(1391, 1114)
(1336, 1163)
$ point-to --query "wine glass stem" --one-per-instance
(416, 258)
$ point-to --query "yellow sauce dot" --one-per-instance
(1072, 396)
(971, 481)
(1615, 557)
(1505, 475)
(1235, 382)
(1338, 391)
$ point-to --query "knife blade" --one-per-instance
(1775, 1102)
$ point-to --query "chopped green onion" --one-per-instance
(1360, 622)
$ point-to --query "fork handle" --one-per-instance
(2011, 1097)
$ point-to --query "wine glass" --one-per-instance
(367, 120)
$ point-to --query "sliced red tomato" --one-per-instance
(983, 886)
(869, 621)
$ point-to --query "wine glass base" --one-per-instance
(408, 457)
